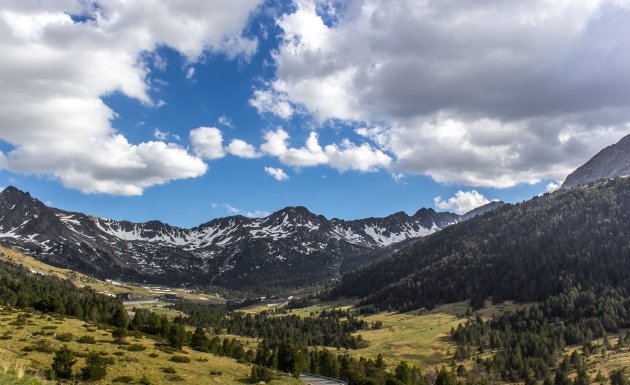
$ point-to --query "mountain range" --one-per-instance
(290, 248)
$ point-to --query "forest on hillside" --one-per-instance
(525, 252)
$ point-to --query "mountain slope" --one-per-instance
(521, 252)
(289, 248)
(610, 162)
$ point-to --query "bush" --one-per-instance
(180, 359)
(43, 346)
(123, 379)
(86, 340)
(145, 381)
(65, 337)
(173, 377)
(260, 373)
(136, 348)
(216, 373)
(95, 368)
(154, 355)
(63, 362)
(169, 370)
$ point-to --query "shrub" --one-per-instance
(154, 355)
(63, 362)
(65, 337)
(173, 377)
(136, 348)
(123, 379)
(180, 359)
(169, 370)
(95, 368)
(43, 346)
(86, 340)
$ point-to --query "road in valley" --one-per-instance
(313, 380)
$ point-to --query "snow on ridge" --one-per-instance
(68, 219)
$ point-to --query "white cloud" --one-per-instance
(276, 173)
(346, 157)
(242, 149)
(207, 142)
(163, 136)
(361, 158)
(462, 202)
(485, 94)
(190, 72)
(226, 121)
(236, 211)
(269, 101)
(55, 71)
(552, 186)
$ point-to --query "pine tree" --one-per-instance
(62, 363)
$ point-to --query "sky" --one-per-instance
(191, 110)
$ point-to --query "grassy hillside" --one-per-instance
(82, 280)
(31, 343)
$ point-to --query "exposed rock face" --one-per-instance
(610, 162)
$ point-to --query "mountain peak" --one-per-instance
(12, 191)
(610, 162)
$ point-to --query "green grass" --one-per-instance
(12, 379)
(149, 362)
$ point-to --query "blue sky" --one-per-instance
(121, 120)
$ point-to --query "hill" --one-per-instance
(523, 252)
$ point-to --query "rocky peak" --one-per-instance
(610, 162)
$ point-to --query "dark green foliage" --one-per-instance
(180, 359)
(260, 373)
(95, 367)
(523, 252)
(119, 334)
(86, 340)
(169, 370)
(136, 348)
(618, 377)
(123, 379)
(21, 288)
(63, 362)
(65, 337)
(177, 336)
(199, 341)
(329, 328)
(529, 341)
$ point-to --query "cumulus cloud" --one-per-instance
(55, 70)
(269, 101)
(276, 173)
(207, 142)
(348, 156)
(485, 94)
(242, 149)
(552, 186)
(462, 202)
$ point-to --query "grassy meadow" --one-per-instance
(31, 344)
